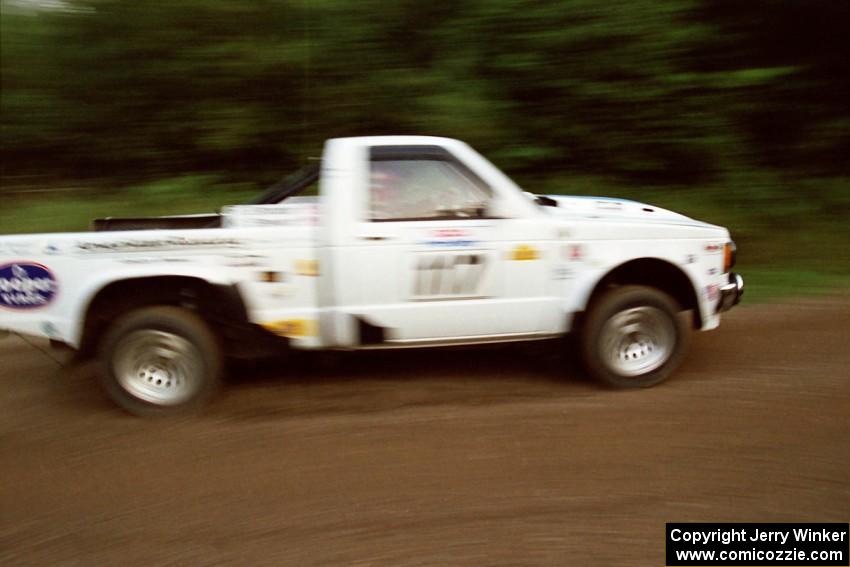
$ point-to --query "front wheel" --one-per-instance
(633, 337)
(160, 361)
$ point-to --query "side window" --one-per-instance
(407, 189)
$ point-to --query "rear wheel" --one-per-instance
(633, 337)
(160, 361)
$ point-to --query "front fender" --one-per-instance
(654, 271)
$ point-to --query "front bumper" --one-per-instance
(730, 293)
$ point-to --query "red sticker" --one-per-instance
(449, 232)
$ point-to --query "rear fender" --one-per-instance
(92, 287)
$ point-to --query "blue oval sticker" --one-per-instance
(26, 285)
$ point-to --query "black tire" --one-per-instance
(160, 361)
(633, 337)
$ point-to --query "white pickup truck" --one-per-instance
(412, 242)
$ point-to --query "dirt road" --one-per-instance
(482, 457)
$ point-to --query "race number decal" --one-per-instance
(448, 275)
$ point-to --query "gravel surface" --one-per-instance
(469, 457)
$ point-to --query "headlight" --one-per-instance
(730, 255)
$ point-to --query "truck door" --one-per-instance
(431, 263)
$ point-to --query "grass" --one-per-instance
(765, 283)
(58, 213)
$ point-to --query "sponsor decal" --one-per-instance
(244, 261)
(271, 277)
(450, 238)
(26, 285)
(151, 260)
(563, 273)
(52, 249)
(690, 259)
(451, 243)
(712, 291)
(157, 244)
(307, 267)
(714, 248)
(609, 205)
(713, 271)
(525, 252)
(572, 253)
(440, 276)
(450, 233)
(293, 328)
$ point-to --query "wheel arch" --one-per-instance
(655, 273)
(219, 305)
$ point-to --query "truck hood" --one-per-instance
(612, 209)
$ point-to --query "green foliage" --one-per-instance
(735, 112)
(649, 91)
(44, 212)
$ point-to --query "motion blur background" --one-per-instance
(733, 112)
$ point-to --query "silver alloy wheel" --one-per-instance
(158, 367)
(637, 341)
